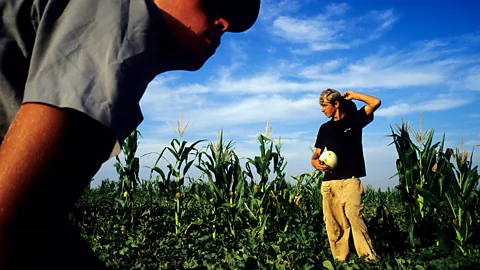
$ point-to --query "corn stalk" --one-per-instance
(408, 175)
(173, 182)
(462, 197)
(128, 172)
(226, 184)
(267, 198)
(419, 183)
(432, 186)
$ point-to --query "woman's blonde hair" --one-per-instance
(329, 96)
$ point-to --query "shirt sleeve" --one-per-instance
(362, 118)
(95, 57)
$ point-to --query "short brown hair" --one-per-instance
(329, 96)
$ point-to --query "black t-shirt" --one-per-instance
(344, 137)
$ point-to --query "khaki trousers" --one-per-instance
(342, 210)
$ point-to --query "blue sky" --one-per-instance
(416, 56)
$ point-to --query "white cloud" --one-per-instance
(440, 103)
(255, 109)
(469, 38)
(316, 47)
(472, 80)
(336, 9)
(431, 63)
(271, 9)
(394, 110)
(321, 68)
(290, 87)
(322, 32)
(470, 144)
(317, 33)
(305, 31)
(385, 18)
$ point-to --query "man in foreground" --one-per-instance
(72, 74)
(341, 187)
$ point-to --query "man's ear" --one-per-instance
(336, 104)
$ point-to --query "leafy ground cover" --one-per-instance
(246, 213)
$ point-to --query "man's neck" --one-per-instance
(338, 115)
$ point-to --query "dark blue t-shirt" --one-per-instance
(344, 137)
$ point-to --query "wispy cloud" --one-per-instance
(317, 33)
(336, 9)
(385, 19)
(251, 110)
(320, 68)
(472, 80)
(429, 63)
(270, 9)
(440, 103)
(470, 143)
(288, 90)
(238, 58)
(306, 31)
(328, 32)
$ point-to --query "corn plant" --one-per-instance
(311, 186)
(128, 172)
(173, 181)
(267, 197)
(462, 197)
(310, 200)
(419, 183)
(435, 189)
(226, 184)
(409, 175)
(256, 207)
(457, 197)
(293, 201)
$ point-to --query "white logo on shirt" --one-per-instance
(347, 129)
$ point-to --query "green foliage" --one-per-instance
(440, 196)
(173, 183)
(150, 242)
(249, 216)
(128, 173)
(225, 190)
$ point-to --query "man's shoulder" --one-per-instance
(360, 117)
(327, 127)
(326, 123)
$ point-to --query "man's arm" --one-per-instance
(316, 162)
(372, 102)
(48, 146)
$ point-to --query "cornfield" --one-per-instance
(252, 216)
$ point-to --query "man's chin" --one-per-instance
(187, 58)
(194, 67)
(194, 62)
